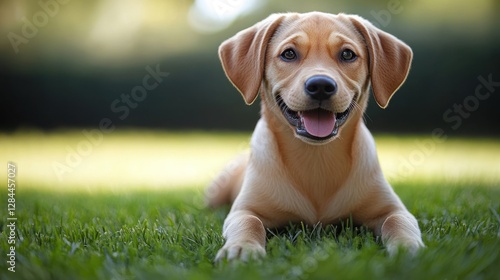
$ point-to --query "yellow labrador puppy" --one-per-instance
(312, 158)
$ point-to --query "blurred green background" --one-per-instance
(67, 64)
(69, 69)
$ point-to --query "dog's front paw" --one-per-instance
(412, 246)
(401, 231)
(241, 251)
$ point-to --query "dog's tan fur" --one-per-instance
(292, 178)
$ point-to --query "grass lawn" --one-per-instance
(102, 220)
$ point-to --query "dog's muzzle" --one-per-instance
(317, 124)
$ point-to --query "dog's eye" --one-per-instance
(288, 55)
(348, 55)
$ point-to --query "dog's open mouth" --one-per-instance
(317, 124)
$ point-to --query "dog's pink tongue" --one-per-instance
(319, 122)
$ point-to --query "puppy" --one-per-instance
(312, 158)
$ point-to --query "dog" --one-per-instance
(312, 159)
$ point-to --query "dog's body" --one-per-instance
(312, 158)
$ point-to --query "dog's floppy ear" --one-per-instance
(243, 56)
(390, 60)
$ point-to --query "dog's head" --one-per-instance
(314, 70)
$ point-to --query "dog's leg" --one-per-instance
(400, 229)
(386, 215)
(245, 237)
(224, 189)
(397, 227)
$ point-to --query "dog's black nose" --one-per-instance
(320, 87)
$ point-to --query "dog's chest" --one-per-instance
(315, 200)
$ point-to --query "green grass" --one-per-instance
(153, 233)
(169, 235)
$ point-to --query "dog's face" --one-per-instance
(314, 70)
